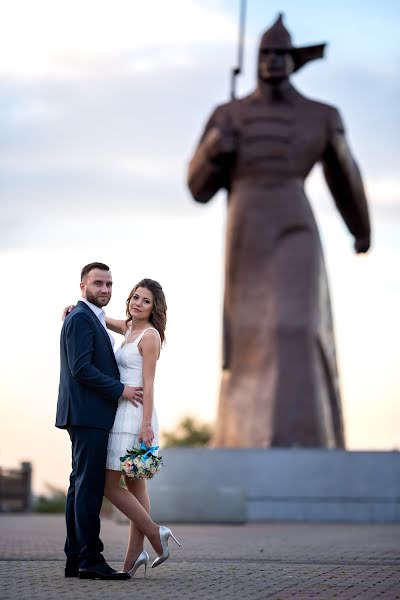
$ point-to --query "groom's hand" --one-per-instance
(133, 394)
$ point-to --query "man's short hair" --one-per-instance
(94, 265)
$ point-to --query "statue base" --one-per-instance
(202, 485)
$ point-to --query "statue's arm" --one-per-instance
(210, 166)
(344, 180)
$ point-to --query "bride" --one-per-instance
(137, 357)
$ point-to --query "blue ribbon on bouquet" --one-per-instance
(149, 450)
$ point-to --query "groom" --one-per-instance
(87, 402)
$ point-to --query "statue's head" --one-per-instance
(278, 58)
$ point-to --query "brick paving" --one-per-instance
(277, 561)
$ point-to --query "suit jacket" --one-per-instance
(89, 376)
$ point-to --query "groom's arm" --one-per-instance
(79, 343)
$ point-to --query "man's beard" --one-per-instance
(94, 300)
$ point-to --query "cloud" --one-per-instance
(119, 141)
(116, 129)
(383, 193)
(62, 39)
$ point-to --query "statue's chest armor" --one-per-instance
(279, 136)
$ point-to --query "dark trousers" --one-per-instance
(83, 545)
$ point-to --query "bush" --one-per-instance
(189, 432)
(54, 502)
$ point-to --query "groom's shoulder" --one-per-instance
(81, 308)
(80, 313)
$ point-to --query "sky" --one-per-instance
(101, 106)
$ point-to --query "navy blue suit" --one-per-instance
(87, 401)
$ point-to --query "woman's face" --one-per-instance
(141, 304)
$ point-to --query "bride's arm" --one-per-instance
(150, 349)
(116, 325)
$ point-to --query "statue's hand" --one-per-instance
(362, 245)
(220, 142)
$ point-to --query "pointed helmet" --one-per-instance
(277, 37)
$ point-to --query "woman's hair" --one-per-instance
(158, 317)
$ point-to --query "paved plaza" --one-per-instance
(258, 561)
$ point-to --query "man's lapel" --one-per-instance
(99, 326)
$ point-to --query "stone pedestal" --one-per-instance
(207, 485)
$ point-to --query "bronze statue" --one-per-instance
(280, 382)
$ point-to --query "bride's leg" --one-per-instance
(138, 488)
(128, 504)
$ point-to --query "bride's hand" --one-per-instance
(67, 310)
(146, 435)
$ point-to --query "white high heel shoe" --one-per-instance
(165, 534)
(142, 559)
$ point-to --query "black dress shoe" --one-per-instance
(72, 567)
(71, 571)
(102, 571)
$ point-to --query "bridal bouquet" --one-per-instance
(141, 463)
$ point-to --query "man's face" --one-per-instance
(97, 287)
(275, 65)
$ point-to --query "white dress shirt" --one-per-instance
(101, 315)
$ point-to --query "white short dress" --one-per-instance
(124, 434)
